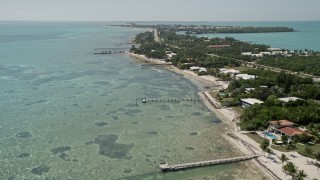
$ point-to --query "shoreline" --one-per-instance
(227, 115)
(268, 164)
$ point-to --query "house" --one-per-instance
(245, 76)
(219, 46)
(287, 99)
(274, 49)
(284, 127)
(256, 55)
(170, 55)
(196, 68)
(249, 90)
(246, 53)
(265, 53)
(249, 102)
(280, 124)
(229, 71)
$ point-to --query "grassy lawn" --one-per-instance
(239, 110)
(226, 99)
(299, 148)
(256, 137)
(213, 93)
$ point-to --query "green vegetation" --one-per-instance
(216, 53)
(204, 29)
(256, 137)
(296, 63)
(268, 87)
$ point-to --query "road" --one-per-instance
(156, 36)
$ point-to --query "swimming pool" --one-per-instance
(269, 135)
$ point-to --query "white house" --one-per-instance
(265, 53)
(229, 71)
(287, 99)
(274, 49)
(256, 55)
(246, 53)
(245, 76)
(196, 68)
(249, 102)
(249, 90)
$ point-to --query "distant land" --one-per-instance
(208, 29)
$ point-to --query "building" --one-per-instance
(246, 53)
(249, 102)
(256, 55)
(249, 90)
(287, 99)
(280, 124)
(284, 127)
(245, 76)
(196, 68)
(265, 53)
(229, 71)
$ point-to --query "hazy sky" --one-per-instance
(160, 10)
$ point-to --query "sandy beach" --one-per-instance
(269, 164)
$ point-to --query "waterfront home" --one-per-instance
(249, 102)
(245, 76)
(170, 55)
(287, 99)
(284, 127)
(274, 125)
(196, 68)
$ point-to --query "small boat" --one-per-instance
(144, 100)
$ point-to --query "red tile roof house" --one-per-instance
(284, 127)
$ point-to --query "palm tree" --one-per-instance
(301, 175)
(283, 158)
(317, 156)
(290, 169)
(308, 152)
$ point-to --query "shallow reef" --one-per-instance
(24, 135)
(40, 169)
(108, 146)
(61, 149)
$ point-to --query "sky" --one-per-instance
(160, 10)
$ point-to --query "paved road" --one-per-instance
(156, 36)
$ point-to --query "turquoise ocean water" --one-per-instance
(66, 113)
(306, 36)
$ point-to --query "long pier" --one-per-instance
(155, 65)
(146, 100)
(167, 168)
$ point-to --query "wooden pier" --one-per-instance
(167, 168)
(155, 65)
(109, 51)
(146, 100)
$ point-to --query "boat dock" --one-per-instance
(167, 168)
